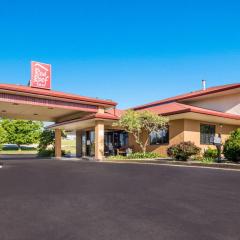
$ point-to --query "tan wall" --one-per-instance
(192, 131)
(183, 130)
(176, 135)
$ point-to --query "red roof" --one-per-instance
(116, 112)
(50, 93)
(177, 108)
(102, 116)
(199, 93)
(106, 116)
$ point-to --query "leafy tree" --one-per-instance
(3, 135)
(231, 148)
(21, 131)
(140, 122)
(46, 147)
(47, 138)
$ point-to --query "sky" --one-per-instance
(132, 52)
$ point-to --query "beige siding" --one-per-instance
(184, 130)
(228, 103)
(176, 135)
(192, 131)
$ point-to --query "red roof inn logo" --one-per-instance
(40, 75)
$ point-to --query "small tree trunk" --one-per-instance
(144, 149)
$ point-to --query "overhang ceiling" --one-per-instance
(31, 112)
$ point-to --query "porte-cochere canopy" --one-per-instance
(22, 102)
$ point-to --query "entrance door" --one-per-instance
(114, 140)
(90, 143)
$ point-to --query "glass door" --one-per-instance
(90, 143)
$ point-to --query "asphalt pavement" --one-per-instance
(67, 200)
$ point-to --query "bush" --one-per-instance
(141, 155)
(183, 151)
(46, 147)
(208, 160)
(210, 153)
(137, 155)
(231, 149)
(48, 152)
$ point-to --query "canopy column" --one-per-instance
(58, 143)
(99, 140)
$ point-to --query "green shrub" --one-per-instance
(117, 157)
(141, 155)
(46, 147)
(137, 155)
(231, 148)
(183, 151)
(48, 152)
(208, 160)
(210, 153)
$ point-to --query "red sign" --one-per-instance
(40, 75)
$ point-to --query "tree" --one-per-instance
(21, 131)
(139, 122)
(3, 135)
(47, 138)
(46, 147)
(231, 149)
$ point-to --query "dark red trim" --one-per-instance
(50, 93)
(36, 101)
(191, 95)
(205, 112)
(102, 116)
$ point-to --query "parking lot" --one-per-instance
(67, 200)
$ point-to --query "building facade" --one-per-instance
(195, 117)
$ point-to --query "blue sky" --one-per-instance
(130, 51)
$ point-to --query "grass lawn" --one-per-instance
(69, 146)
(18, 152)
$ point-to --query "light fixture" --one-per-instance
(35, 114)
(15, 103)
(3, 111)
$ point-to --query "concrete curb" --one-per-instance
(224, 166)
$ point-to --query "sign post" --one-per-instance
(40, 75)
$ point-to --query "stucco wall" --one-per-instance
(228, 103)
(184, 130)
(176, 135)
(192, 131)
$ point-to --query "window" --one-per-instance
(207, 133)
(159, 137)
